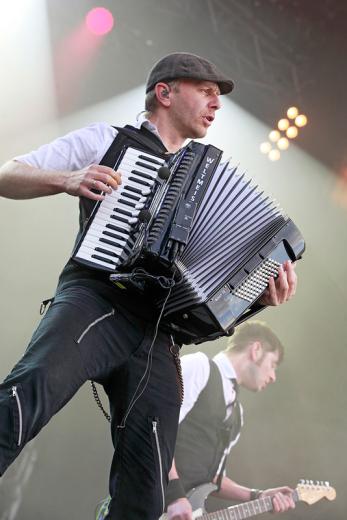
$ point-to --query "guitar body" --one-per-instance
(197, 497)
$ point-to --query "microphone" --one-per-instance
(164, 173)
(144, 216)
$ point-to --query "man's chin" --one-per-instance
(199, 134)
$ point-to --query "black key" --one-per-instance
(113, 235)
(140, 181)
(117, 228)
(148, 166)
(107, 260)
(150, 159)
(127, 203)
(111, 243)
(121, 219)
(142, 175)
(134, 190)
(106, 252)
(123, 212)
(130, 196)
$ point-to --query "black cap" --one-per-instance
(185, 65)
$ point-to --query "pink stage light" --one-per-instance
(99, 21)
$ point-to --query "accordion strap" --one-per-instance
(142, 136)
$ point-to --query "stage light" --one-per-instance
(265, 147)
(99, 21)
(301, 120)
(292, 112)
(283, 124)
(274, 155)
(274, 135)
(283, 143)
(292, 132)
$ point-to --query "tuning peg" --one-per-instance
(302, 481)
(327, 484)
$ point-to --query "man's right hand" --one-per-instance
(83, 183)
(180, 509)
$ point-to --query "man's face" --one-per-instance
(263, 371)
(193, 106)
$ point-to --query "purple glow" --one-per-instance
(99, 21)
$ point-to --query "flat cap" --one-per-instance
(190, 66)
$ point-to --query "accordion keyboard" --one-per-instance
(109, 238)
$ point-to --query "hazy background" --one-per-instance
(56, 78)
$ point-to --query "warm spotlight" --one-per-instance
(265, 147)
(283, 143)
(99, 21)
(274, 155)
(292, 132)
(292, 112)
(274, 135)
(301, 120)
(283, 124)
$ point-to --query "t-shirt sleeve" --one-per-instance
(195, 372)
(73, 151)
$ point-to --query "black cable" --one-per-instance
(146, 375)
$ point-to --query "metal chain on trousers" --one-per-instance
(174, 349)
(98, 401)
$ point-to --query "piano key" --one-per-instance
(92, 242)
(99, 262)
(95, 235)
(102, 222)
(114, 213)
(88, 252)
(128, 166)
(110, 237)
(134, 189)
(105, 226)
(133, 197)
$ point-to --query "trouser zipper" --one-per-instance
(20, 414)
(155, 431)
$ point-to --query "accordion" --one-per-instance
(197, 226)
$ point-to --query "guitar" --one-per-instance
(306, 491)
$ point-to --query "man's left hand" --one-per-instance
(283, 288)
(282, 498)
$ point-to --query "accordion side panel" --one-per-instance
(239, 239)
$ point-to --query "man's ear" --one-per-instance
(162, 91)
(256, 351)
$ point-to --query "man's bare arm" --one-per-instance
(281, 497)
(22, 181)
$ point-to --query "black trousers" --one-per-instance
(81, 337)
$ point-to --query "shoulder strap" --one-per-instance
(142, 136)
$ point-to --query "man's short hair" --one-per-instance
(252, 331)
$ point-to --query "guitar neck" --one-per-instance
(245, 510)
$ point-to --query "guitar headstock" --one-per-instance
(310, 492)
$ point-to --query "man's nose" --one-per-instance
(273, 377)
(215, 102)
